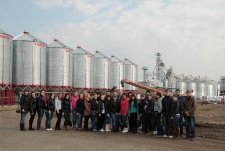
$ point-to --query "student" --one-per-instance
(80, 110)
(148, 114)
(107, 113)
(49, 111)
(101, 113)
(124, 106)
(74, 99)
(166, 104)
(189, 108)
(175, 118)
(66, 110)
(94, 116)
(115, 110)
(132, 114)
(24, 105)
(58, 108)
(87, 111)
(157, 114)
(180, 101)
(40, 108)
(32, 109)
(141, 110)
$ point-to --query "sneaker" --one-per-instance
(108, 130)
(125, 130)
(165, 136)
(47, 129)
(94, 130)
(170, 137)
(101, 130)
(51, 129)
(155, 132)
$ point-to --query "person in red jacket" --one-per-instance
(124, 106)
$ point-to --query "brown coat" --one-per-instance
(189, 106)
(87, 105)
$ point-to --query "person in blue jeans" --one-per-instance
(49, 111)
(115, 110)
(40, 108)
(80, 110)
(189, 108)
(24, 104)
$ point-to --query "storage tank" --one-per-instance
(117, 72)
(191, 85)
(101, 71)
(212, 88)
(29, 60)
(59, 64)
(6, 58)
(82, 68)
(181, 84)
(171, 82)
(201, 88)
(131, 72)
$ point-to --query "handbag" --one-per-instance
(18, 109)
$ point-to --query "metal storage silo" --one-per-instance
(101, 71)
(191, 85)
(201, 87)
(82, 68)
(29, 61)
(6, 58)
(59, 64)
(117, 72)
(212, 88)
(131, 72)
(181, 84)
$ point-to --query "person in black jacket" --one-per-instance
(32, 109)
(141, 107)
(148, 114)
(94, 112)
(80, 110)
(107, 113)
(115, 110)
(24, 105)
(101, 113)
(166, 112)
(40, 108)
(49, 111)
(66, 110)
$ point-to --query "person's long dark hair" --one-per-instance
(135, 100)
(66, 96)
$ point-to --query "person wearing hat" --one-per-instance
(115, 110)
(24, 105)
(189, 108)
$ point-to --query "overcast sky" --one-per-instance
(190, 34)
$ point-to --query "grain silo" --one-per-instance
(82, 69)
(6, 60)
(101, 76)
(59, 65)
(131, 73)
(191, 85)
(29, 62)
(117, 72)
(181, 84)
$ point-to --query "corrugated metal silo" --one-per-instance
(181, 84)
(212, 88)
(191, 85)
(59, 64)
(131, 72)
(82, 68)
(117, 72)
(29, 60)
(6, 58)
(101, 71)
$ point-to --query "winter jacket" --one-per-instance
(158, 105)
(141, 106)
(66, 107)
(124, 106)
(80, 106)
(40, 102)
(74, 101)
(24, 103)
(101, 106)
(166, 104)
(94, 106)
(174, 108)
(32, 105)
(87, 107)
(50, 105)
(189, 105)
(115, 106)
(149, 106)
(107, 106)
(180, 101)
(58, 104)
(133, 108)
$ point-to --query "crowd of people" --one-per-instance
(164, 116)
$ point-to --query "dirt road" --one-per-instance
(12, 139)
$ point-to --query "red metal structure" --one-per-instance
(140, 86)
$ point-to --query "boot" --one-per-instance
(107, 128)
(178, 133)
(30, 126)
(22, 126)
